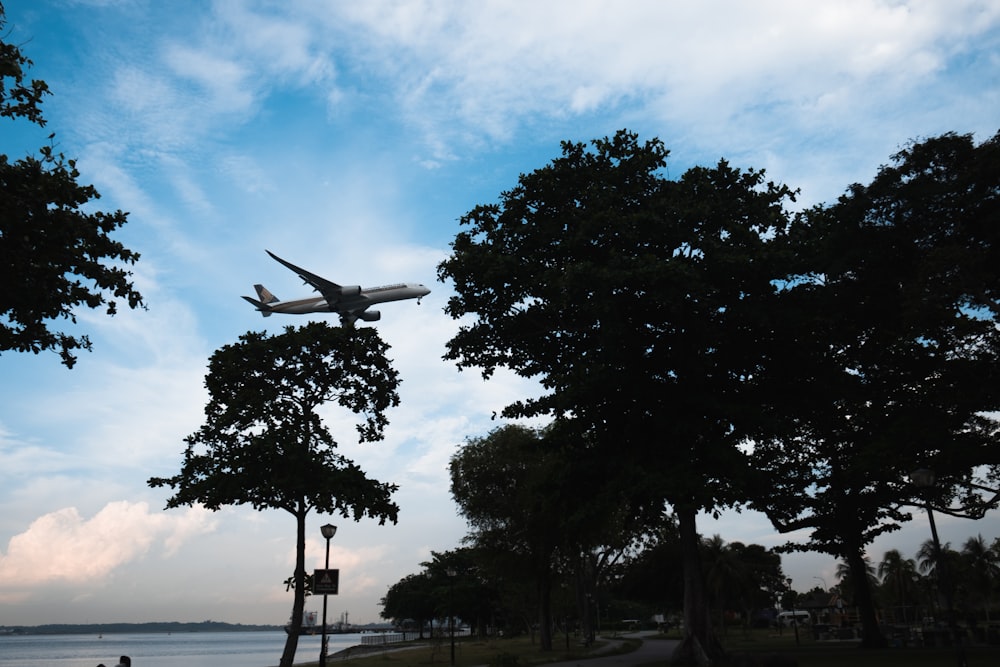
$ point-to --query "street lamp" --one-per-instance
(924, 479)
(451, 610)
(328, 531)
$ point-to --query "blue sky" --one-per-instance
(349, 138)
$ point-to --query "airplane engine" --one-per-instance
(369, 315)
(350, 290)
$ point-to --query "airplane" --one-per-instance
(351, 302)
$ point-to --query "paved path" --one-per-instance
(651, 650)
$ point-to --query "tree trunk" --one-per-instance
(583, 605)
(544, 609)
(299, 603)
(699, 645)
(871, 633)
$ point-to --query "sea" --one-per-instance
(180, 649)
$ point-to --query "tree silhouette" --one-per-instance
(265, 444)
(637, 303)
(898, 575)
(56, 252)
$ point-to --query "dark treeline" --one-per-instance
(909, 589)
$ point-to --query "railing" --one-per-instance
(380, 638)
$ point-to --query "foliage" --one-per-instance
(635, 301)
(741, 577)
(898, 576)
(805, 369)
(457, 583)
(653, 573)
(893, 313)
(410, 598)
(537, 508)
(54, 256)
(507, 486)
(265, 444)
(914, 588)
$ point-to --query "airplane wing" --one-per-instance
(331, 291)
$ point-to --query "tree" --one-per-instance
(635, 301)
(504, 485)
(653, 574)
(410, 598)
(981, 567)
(264, 444)
(762, 580)
(898, 577)
(846, 572)
(54, 257)
(894, 349)
(725, 574)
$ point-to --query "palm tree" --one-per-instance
(927, 557)
(846, 583)
(981, 567)
(927, 564)
(725, 574)
(898, 574)
(846, 586)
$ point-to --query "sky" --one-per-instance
(350, 138)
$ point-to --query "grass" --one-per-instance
(810, 653)
(472, 651)
(522, 652)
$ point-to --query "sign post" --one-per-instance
(326, 582)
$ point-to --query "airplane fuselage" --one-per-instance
(351, 302)
(368, 297)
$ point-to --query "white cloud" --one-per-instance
(223, 84)
(64, 546)
(348, 138)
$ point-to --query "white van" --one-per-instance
(788, 618)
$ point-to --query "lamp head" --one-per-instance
(329, 530)
(923, 478)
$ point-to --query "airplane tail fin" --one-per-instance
(266, 298)
(265, 294)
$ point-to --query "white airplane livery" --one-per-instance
(351, 302)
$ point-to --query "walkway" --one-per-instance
(651, 650)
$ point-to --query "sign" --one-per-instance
(326, 582)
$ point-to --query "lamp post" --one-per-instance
(451, 610)
(588, 619)
(328, 531)
(795, 621)
(924, 479)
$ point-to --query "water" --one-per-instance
(179, 649)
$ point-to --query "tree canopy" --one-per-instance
(635, 301)
(508, 486)
(894, 317)
(54, 256)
